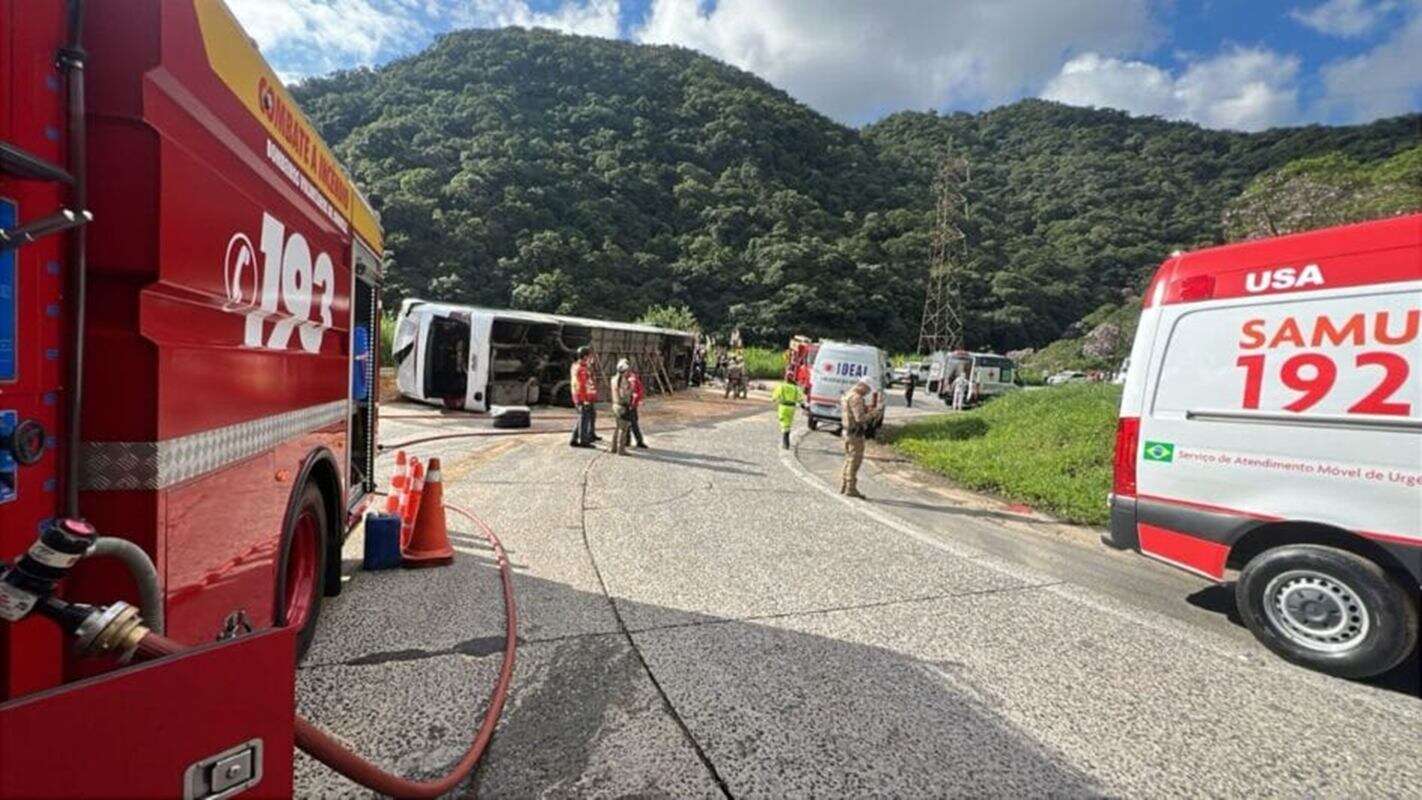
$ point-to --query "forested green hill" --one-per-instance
(597, 177)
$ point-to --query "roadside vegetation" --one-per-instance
(387, 340)
(1049, 448)
(765, 363)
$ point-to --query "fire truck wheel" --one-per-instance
(302, 566)
(1327, 609)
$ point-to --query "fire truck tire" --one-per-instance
(301, 570)
(1328, 609)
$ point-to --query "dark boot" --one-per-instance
(785, 440)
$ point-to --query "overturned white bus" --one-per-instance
(473, 358)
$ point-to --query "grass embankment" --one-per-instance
(1049, 448)
(764, 363)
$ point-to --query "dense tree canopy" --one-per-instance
(1332, 189)
(603, 178)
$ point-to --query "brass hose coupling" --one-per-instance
(115, 629)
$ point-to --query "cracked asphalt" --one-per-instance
(708, 619)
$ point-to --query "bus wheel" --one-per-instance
(1327, 609)
(813, 423)
(302, 567)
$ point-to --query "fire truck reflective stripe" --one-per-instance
(1184, 551)
(113, 466)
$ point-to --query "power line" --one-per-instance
(942, 325)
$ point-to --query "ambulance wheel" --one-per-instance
(1327, 609)
(302, 566)
(813, 423)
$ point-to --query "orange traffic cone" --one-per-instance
(410, 504)
(429, 546)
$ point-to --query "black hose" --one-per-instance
(145, 575)
(71, 58)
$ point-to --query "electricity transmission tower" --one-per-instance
(942, 327)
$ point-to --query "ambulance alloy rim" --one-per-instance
(301, 568)
(1316, 611)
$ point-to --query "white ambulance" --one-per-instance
(837, 367)
(1271, 423)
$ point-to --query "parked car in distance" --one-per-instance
(898, 376)
(1120, 377)
(1066, 376)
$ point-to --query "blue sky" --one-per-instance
(1235, 64)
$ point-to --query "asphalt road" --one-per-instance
(707, 618)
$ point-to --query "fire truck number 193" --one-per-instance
(282, 290)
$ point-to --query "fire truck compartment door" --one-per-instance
(140, 731)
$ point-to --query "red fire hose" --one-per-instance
(325, 748)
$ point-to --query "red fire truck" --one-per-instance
(800, 356)
(188, 302)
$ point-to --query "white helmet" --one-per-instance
(622, 365)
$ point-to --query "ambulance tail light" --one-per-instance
(1128, 437)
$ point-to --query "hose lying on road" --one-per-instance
(325, 748)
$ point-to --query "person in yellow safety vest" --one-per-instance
(786, 397)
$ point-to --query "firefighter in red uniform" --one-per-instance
(583, 385)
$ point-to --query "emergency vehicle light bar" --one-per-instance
(1369, 422)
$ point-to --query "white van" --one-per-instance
(1271, 423)
(838, 366)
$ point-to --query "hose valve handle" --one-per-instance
(61, 543)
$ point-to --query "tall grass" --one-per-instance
(764, 363)
(1050, 448)
(387, 340)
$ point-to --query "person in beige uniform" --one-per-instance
(854, 421)
(621, 406)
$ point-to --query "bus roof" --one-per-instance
(414, 304)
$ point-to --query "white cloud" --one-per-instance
(853, 59)
(1383, 81)
(308, 37)
(1344, 18)
(590, 18)
(1242, 88)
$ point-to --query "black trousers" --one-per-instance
(635, 426)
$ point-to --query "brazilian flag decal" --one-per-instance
(1163, 452)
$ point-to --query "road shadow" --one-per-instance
(1405, 678)
(763, 708)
